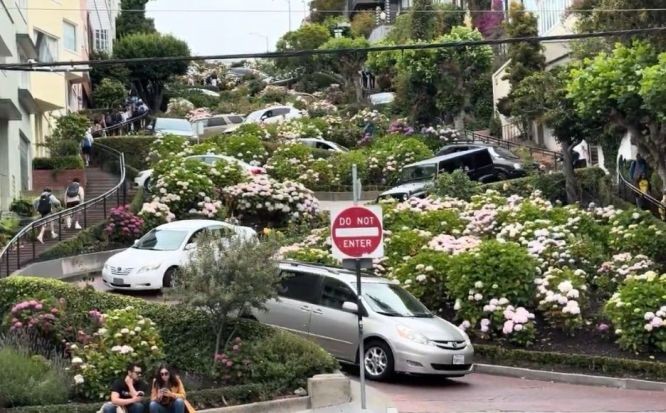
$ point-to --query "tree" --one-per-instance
(149, 78)
(109, 94)
(626, 88)
(346, 66)
(320, 10)
(132, 18)
(67, 135)
(490, 23)
(423, 20)
(227, 277)
(106, 71)
(362, 24)
(308, 37)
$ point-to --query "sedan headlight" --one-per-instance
(517, 166)
(149, 267)
(107, 267)
(411, 335)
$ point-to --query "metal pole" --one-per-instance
(289, 2)
(361, 350)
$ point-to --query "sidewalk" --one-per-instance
(377, 402)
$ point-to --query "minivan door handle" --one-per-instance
(317, 311)
(305, 308)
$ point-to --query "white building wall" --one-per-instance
(102, 15)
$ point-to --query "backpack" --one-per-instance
(44, 205)
(73, 190)
(86, 143)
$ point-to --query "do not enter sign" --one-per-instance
(356, 232)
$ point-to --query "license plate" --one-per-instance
(458, 359)
(120, 281)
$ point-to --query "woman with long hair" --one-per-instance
(167, 393)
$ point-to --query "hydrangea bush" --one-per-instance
(561, 294)
(155, 213)
(123, 226)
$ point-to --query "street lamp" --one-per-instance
(289, 4)
(261, 35)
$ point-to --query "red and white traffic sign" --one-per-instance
(357, 232)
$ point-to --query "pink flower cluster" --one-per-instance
(430, 204)
(452, 245)
(232, 365)
(655, 320)
(208, 208)
(482, 221)
(33, 314)
(123, 225)
(516, 319)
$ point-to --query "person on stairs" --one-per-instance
(86, 146)
(45, 205)
(73, 196)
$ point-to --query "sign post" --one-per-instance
(357, 236)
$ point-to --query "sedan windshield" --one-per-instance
(161, 240)
(418, 173)
(504, 153)
(173, 124)
(393, 300)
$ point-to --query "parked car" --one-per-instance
(219, 124)
(171, 126)
(507, 164)
(151, 262)
(383, 98)
(273, 114)
(322, 144)
(417, 178)
(144, 178)
(206, 92)
(400, 333)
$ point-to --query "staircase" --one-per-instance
(104, 190)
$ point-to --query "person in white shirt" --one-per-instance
(86, 146)
(74, 194)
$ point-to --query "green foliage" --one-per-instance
(149, 80)
(362, 24)
(30, 380)
(290, 161)
(320, 10)
(110, 93)
(166, 148)
(132, 19)
(313, 255)
(423, 21)
(456, 185)
(346, 65)
(635, 309)
(135, 148)
(390, 153)
(228, 276)
(494, 270)
(245, 146)
(67, 135)
(307, 37)
(425, 275)
(526, 57)
(58, 163)
(22, 207)
(107, 71)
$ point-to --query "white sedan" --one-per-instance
(151, 262)
(143, 178)
(273, 114)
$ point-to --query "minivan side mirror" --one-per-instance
(136, 242)
(350, 307)
(190, 246)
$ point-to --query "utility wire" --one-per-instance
(303, 53)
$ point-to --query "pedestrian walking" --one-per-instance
(45, 204)
(74, 194)
(86, 146)
(637, 168)
(167, 393)
(643, 185)
(126, 392)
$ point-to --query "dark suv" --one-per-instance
(507, 165)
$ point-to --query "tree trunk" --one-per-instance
(570, 182)
(218, 339)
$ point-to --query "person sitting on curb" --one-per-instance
(73, 196)
(125, 393)
(167, 394)
(45, 205)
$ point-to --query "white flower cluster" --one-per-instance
(655, 319)
(157, 209)
(452, 245)
(559, 293)
(297, 129)
(624, 264)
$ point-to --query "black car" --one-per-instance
(507, 165)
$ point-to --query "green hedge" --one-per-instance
(136, 149)
(581, 363)
(188, 339)
(593, 184)
(201, 399)
(59, 163)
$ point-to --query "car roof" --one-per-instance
(438, 159)
(339, 273)
(194, 224)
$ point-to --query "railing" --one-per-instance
(122, 126)
(103, 156)
(548, 154)
(630, 193)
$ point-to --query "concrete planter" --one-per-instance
(56, 180)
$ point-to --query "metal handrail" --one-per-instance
(476, 136)
(658, 208)
(57, 216)
(120, 125)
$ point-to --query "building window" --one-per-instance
(101, 40)
(47, 46)
(69, 36)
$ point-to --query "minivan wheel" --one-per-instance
(148, 184)
(378, 360)
(167, 280)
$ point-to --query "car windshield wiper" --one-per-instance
(422, 315)
(390, 313)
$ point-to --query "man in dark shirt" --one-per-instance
(126, 392)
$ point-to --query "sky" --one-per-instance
(208, 32)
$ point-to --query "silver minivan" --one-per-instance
(400, 334)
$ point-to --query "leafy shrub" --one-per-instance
(313, 255)
(611, 273)
(58, 163)
(40, 316)
(124, 336)
(22, 207)
(638, 312)
(505, 322)
(123, 226)
(296, 129)
(30, 380)
(495, 269)
(638, 233)
(154, 214)
(456, 185)
(404, 243)
(167, 147)
(390, 153)
(424, 275)
(247, 147)
(135, 148)
(561, 294)
(290, 161)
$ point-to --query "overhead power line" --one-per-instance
(50, 9)
(303, 53)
